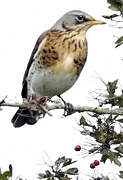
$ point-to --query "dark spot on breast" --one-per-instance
(55, 43)
(52, 47)
(54, 52)
(51, 40)
(75, 61)
(49, 50)
(44, 50)
(55, 58)
(54, 30)
(43, 57)
(80, 46)
(65, 39)
(75, 45)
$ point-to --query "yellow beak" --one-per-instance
(97, 22)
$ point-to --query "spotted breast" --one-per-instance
(58, 63)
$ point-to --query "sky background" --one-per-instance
(21, 23)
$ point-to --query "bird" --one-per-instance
(56, 62)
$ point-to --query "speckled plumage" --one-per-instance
(56, 61)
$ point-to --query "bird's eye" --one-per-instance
(80, 18)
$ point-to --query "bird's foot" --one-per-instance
(38, 104)
(38, 100)
(68, 107)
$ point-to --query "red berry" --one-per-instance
(96, 162)
(92, 165)
(77, 148)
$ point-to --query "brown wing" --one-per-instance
(24, 88)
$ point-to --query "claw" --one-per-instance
(68, 107)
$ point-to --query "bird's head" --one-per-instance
(76, 19)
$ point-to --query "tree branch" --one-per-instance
(59, 105)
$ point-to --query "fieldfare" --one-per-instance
(56, 61)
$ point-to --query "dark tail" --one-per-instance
(23, 116)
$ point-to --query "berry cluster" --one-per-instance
(94, 164)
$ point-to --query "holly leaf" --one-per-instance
(68, 162)
(47, 175)
(65, 178)
(106, 178)
(111, 87)
(72, 171)
(117, 162)
(115, 5)
(5, 176)
(121, 174)
(119, 41)
(110, 16)
(114, 8)
(112, 156)
(120, 120)
(60, 160)
(41, 175)
(93, 150)
(82, 121)
(119, 149)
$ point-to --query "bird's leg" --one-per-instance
(68, 107)
(37, 100)
(38, 104)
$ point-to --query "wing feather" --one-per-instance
(24, 88)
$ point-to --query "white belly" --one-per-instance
(44, 82)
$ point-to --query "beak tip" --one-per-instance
(103, 22)
(98, 22)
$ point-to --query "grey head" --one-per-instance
(75, 18)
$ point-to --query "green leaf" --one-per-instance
(119, 149)
(110, 16)
(72, 171)
(121, 174)
(120, 120)
(117, 162)
(119, 41)
(114, 7)
(83, 121)
(68, 162)
(85, 132)
(65, 178)
(112, 156)
(111, 87)
(41, 175)
(60, 160)
(115, 2)
(93, 150)
(48, 173)
(5, 176)
(106, 178)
